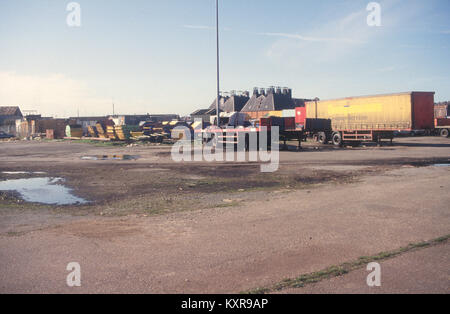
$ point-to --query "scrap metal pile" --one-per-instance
(146, 131)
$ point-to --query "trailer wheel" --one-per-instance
(322, 138)
(210, 142)
(315, 137)
(337, 139)
(445, 133)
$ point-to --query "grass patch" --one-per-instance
(339, 270)
(99, 143)
(15, 233)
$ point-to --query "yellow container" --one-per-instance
(137, 134)
(403, 111)
(276, 114)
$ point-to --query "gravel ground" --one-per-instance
(154, 226)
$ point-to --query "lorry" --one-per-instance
(372, 118)
(350, 120)
(236, 127)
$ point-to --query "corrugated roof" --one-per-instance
(271, 102)
(253, 104)
(10, 111)
(221, 102)
(235, 103)
(211, 112)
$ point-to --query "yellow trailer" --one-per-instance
(368, 118)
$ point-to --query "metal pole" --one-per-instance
(218, 65)
(316, 100)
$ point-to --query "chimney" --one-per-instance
(256, 92)
(263, 91)
(287, 91)
(279, 90)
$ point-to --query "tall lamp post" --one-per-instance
(218, 65)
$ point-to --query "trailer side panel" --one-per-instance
(377, 113)
(423, 110)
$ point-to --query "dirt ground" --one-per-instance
(156, 226)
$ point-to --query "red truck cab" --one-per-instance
(300, 118)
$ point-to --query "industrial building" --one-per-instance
(263, 102)
(8, 117)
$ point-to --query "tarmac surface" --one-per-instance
(208, 233)
(420, 272)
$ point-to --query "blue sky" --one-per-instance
(159, 56)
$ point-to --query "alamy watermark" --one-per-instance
(73, 279)
(374, 17)
(374, 278)
(214, 146)
(74, 17)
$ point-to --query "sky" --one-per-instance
(149, 56)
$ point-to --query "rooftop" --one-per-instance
(10, 111)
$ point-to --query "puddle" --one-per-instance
(111, 157)
(22, 172)
(42, 190)
(441, 165)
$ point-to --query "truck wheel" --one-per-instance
(337, 139)
(444, 132)
(322, 138)
(210, 142)
(315, 137)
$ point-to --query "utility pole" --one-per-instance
(218, 65)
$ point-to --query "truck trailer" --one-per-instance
(351, 120)
(373, 118)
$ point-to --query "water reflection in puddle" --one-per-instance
(42, 190)
(110, 157)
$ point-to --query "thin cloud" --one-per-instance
(313, 39)
(325, 43)
(198, 27)
(446, 32)
(205, 27)
(284, 35)
(336, 39)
